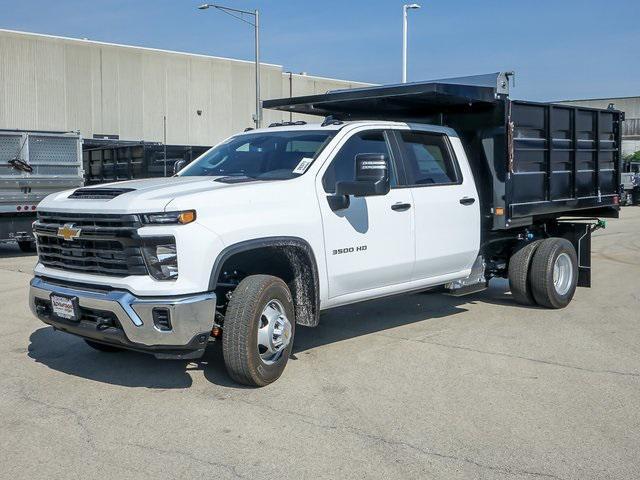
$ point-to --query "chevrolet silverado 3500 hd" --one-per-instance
(401, 188)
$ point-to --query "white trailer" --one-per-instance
(33, 165)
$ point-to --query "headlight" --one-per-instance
(165, 218)
(161, 257)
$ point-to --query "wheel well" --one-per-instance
(293, 262)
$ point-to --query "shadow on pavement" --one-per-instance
(69, 354)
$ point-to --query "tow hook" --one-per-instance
(102, 323)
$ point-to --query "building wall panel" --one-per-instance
(130, 93)
(19, 81)
(50, 78)
(78, 89)
(154, 96)
(177, 100)
(55, 83)
(108, 95)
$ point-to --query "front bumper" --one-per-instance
(116, 317)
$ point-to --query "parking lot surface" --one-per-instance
(415, 386)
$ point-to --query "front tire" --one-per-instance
(554, 273)
(258, 330)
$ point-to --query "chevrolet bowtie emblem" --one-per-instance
(68, 231)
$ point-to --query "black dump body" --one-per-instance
(113, 160)
(532, 161)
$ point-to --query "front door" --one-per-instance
(369, 244)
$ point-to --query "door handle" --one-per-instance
(400, 207)
(467, 201)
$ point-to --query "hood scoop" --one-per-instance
(235, 179)
(99, 193)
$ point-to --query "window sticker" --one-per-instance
(303, 165)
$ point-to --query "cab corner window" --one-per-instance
(343, 166)
(427, 159)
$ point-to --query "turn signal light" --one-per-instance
(499, 211)
(187, 217)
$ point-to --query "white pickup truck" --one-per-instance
(272, 226)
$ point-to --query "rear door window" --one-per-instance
(427, 159)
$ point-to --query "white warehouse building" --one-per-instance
(631, 126)
(123, 92)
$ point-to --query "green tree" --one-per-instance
(634, 157)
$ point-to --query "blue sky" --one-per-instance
(559, 49)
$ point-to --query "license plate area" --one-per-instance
(65, 307)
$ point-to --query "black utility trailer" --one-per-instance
(533, 162)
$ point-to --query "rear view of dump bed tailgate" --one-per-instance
(530, 160)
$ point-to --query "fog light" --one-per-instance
(162, 319)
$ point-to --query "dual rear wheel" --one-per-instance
(544, 272)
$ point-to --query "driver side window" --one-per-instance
(343, 165)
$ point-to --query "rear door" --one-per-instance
(447, 216)
(369, 244)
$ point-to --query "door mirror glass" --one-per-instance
(372, 176)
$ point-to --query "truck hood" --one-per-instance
(140, 196)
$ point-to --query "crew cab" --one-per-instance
(272, 226)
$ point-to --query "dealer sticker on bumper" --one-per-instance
(63, 307)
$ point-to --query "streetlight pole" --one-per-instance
(256, 15)
(239, 14)
(405, 9)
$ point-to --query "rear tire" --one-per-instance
(554, 273)
(519, 267)
(260, 307)
(102, 347)
(27, 246)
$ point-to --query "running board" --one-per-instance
(468, 290)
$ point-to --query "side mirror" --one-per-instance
(372, 177)
(179, 165)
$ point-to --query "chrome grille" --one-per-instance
(107, 244)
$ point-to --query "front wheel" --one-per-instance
(258, 330)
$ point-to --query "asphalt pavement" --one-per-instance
(416, 386)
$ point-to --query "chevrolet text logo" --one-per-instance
(68, 231)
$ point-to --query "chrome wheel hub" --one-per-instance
(562, 274)
(274, 332)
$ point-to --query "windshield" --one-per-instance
(262, 156)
